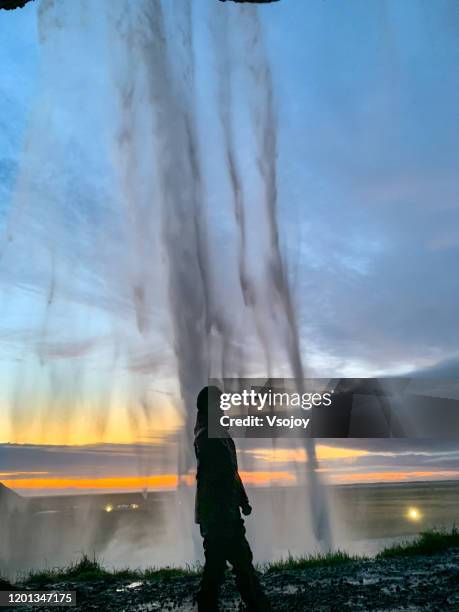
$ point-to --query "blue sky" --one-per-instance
(367, 99)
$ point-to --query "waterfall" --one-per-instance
(170, 238)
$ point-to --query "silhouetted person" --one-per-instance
(220, 497)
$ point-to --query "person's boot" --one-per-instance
(253, 595)
(262, 605)
(206, 602)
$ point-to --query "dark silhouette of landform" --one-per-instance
(10, 5)
(11, 506)
(9, 501)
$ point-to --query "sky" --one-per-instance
(367, 105)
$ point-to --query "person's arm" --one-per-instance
(243, 499)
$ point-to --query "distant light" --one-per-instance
(134, 506)
(413, 514)
(108, 508)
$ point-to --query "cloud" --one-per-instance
(106, 459)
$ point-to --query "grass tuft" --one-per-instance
(297, 563)
(427, 543)
(84, 570)
(91, 570)
(167, 573)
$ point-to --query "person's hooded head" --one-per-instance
(208, 407)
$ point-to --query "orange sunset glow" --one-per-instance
(299, 455)
(397, 476)
(170, 481)
(88, 424)
(135, 483)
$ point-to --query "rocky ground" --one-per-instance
(404, 583)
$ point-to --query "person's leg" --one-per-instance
(214, 571)
(241, 558)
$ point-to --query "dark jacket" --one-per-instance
(219, 489)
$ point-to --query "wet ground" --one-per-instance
(410, 584)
